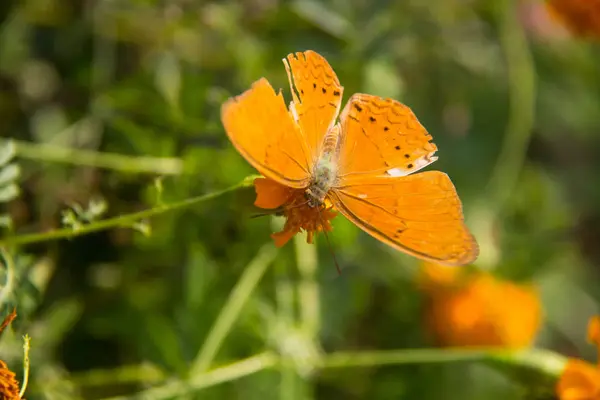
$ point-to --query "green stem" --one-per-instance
(547, 362)
(26, 348)
(285, 325)
(113, 161)
(543, 360)
(140, 373)
(228, 373)
(121, 221)
(521, 86)
(308, 289)
(231, 310)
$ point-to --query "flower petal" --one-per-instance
(270, 194)
(581, 17)
(594, 331)
(9, 386)
(579, 381)
(281, 238)
(480, 309)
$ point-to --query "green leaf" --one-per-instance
(8, 193)
(5, 221)
(168, 78)
(7, 151)
(9, 174)
(162, 335)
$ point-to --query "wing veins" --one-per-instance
(295, 161)
(391, 240)
(246, 155)
(365, 201)
(341, 189)
(370, 204)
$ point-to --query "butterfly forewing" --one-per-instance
(317, 96)
(263, 131)
(419, 214)
(379, 135)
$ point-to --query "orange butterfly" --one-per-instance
(358, 166)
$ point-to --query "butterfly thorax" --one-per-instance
(325, 170)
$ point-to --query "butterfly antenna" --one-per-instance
(337, 266)
(258, 215)
(297, 205)
(278, 211)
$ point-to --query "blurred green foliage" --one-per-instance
(513, 108)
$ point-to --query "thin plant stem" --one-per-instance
(308, 289)
(126, 220)
(26, 347)
(231, 310)
(139, 373)
(521, 86)
(547, 362)
(228, 373)
(542, 360)
(118, 162)
(285, 325)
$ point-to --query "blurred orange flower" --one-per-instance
(580, 380)
(580, 17)
(9, 386)
(294, 207)
(477, 309)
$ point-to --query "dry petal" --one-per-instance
(9, 318)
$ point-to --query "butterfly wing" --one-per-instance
(382, 142)
(380, 135)
(317, 96)
(419, 214)
(261, 128)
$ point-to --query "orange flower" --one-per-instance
(292, 204)
(478, 309)
(9, 386)
(580, 17)
(581, 380)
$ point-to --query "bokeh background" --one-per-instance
(114, 108)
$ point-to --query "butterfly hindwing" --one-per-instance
(419, 214)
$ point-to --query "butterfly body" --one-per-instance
(325, 171)
(362, 166)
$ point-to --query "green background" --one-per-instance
(512, 102)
